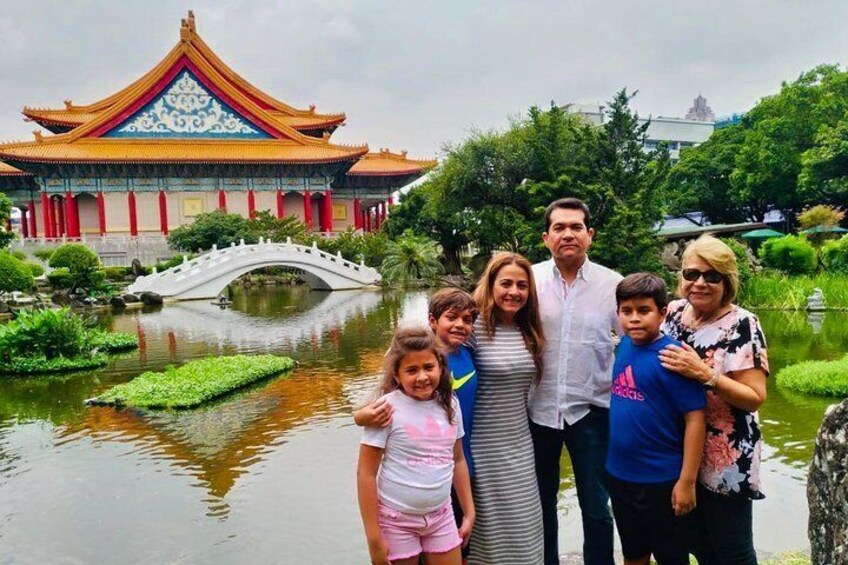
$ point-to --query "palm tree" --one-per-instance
(411, 257)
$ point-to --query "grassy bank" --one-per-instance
(824, 378)
(195, 382)
(782, 292)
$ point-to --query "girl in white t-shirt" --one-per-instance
(406, 468)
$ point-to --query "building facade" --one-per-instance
(676, 133)
(192, 136)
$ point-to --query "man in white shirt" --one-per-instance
(570, 405)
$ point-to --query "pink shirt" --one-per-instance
(417, 469)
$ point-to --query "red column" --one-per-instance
(9, 223)
(101, 213)
(251, 204)
(133, 218)
(328, 211)
(72, 215)
(24, 224)
(391, 199)
(33, 224)
(163, 213)
(281, 212)
(357, 214)
(368, 220)
(307, 210)
(60, 218)
(222, 200)
(47, 215)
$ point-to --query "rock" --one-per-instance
(118, 302)
(827, 489)
(137, 269)
(131, 298)
(151, 298)
(77, 304)
(4, 308)
(670, 257)
(101, 301)
(60, 298)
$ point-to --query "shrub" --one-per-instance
(116, 274)
(744, 264)
(75, 257)
(790, 254)
(18, 254)
(825, 378)
(36, 269)
(778, 291)
(834, 255)
(195, 382)
(43, 333)
(172, 262)
(60, 278)
(44, 254)
(14, 274)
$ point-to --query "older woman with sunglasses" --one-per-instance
(724, 349)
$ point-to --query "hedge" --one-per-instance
(824, 378)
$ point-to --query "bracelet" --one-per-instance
(711, 383)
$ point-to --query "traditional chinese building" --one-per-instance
(192, 136)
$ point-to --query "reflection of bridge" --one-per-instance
(209, 324)
(209, 274)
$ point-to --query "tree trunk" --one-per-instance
(453, 266)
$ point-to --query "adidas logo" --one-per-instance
(625, 386)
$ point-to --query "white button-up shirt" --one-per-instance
(578, 320)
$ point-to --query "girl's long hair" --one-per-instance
(413, 340)
(527, 319)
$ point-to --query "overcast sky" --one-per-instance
(414, 75)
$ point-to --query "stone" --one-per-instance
(151, 299)
(131, 298)
(671, 256)
(137, 269)
(77, 304)
(4, 308)
(815, 303)
(60, 298)
(118, 302)
(827, 489)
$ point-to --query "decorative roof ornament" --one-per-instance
(39, 137)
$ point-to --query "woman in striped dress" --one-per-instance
(507, 356)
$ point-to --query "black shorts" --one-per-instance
(646, 522)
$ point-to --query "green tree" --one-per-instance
(266, 225)
(411, 257)
(6, 237)
(212, 228)
(792, 254)
(82, 264)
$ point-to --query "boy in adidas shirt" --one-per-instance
(657, 432)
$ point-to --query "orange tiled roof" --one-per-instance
(85, 144)
(300, 119)
(386, 163)
(111, 150)
(10, 171)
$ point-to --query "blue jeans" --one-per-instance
(586, 441)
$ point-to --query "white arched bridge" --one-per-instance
(207, 275)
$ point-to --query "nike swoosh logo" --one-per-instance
(457, 383)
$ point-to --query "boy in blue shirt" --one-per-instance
(451, 316)
(657, 432)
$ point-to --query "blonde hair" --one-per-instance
(527, 319)
(720, 257)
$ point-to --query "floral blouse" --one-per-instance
(734, 342)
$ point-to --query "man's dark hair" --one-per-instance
(567, 204)
(642, 285)
(454, 299)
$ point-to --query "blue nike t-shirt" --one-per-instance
(647, 404)
(464, 379)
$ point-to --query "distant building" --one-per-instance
(677, 133)
(700, 111)
(726, 121)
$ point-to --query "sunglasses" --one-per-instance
(711, 276)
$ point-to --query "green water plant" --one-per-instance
(47, 341)
(774, 290)
(196, 382)
(823, 378)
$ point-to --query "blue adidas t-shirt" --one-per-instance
(647, 405)
(464, 379)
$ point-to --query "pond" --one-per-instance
(267, 475)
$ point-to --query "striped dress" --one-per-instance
(509, 516)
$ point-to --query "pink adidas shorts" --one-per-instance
(408, 535)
